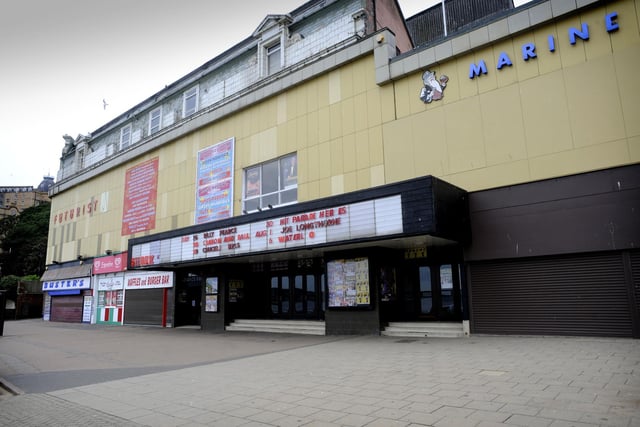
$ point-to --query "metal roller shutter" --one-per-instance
(66, 308)
(583, 295)
(635, 273)
(143, 307)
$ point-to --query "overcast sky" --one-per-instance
(60, 58)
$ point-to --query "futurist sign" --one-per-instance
(372, 218)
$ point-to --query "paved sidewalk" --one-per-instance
(482, 381)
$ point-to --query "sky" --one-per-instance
(60, 58)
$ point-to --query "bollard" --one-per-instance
(3, 304)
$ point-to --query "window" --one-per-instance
(125, 137)
(426, 293)
(155, 120)
(80, 158)
(272, 183)
(446, 288)
(190, 102)
(274, 62)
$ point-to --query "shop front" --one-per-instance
(148, 298)
(422, 284)
(67, 293)
(558, 256)
(356, 260)
(109, 276)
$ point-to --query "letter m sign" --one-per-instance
(476, 70)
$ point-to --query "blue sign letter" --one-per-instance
(552, 44)
(503, 60)
(475, 70)
(584, 34)
(528, 51)
(610, 21)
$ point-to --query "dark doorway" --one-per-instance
(297, 292)
(188, 300)
(296, 297)
(438, 291)
(427, 290)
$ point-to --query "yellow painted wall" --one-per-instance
(333, 123)
(573, 110)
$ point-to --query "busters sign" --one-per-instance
(67, 284)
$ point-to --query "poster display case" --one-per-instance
(348, 283)
(211, 295)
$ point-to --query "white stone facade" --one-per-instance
(315, 29)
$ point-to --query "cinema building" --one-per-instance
(341, 171)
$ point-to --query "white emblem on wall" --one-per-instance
(433, 88)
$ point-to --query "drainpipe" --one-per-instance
(444, 19)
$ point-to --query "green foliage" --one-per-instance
(24, 241)
(8, 282)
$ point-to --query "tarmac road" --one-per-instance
(80, 375)
(39, 357)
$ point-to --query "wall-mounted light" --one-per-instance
(108, 251)
(259, 209)
(270, 206)
(244, 211)
(55, 262)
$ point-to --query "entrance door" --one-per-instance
(296, 297)
(438, 289)
(188, 300)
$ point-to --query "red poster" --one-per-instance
(140, 196)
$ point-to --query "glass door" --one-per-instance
(439, 292)
(297, 296)
(280, 296)
(426, 291)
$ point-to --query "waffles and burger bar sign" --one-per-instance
(372, 218)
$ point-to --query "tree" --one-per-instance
(24, 241)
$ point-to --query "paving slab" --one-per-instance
(185, 377)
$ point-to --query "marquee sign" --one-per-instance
(372, 218)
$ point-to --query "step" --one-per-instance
(427, 325)
(424, 329)
(422, 334)
(278, 326)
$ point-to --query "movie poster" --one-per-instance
(140, 196)
(214, 186)
(348, 283)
